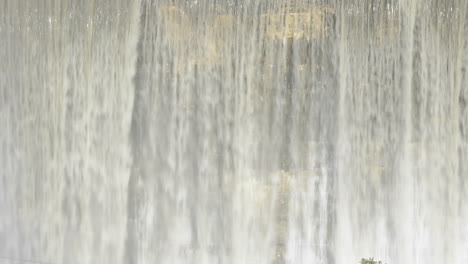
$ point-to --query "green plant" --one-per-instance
(370, 261)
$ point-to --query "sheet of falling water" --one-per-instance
(235, 131)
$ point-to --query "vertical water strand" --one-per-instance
(403, 210)
(70, 121)
(460, 188)
(454, 27)
(342, 238)
(132, 253)
(463, 128)
(253, 188)
(357, 204)
(438, 120)
(313, 91)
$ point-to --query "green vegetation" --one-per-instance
(370, 261)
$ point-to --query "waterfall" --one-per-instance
(233, 131)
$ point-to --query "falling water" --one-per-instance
(234, 131)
